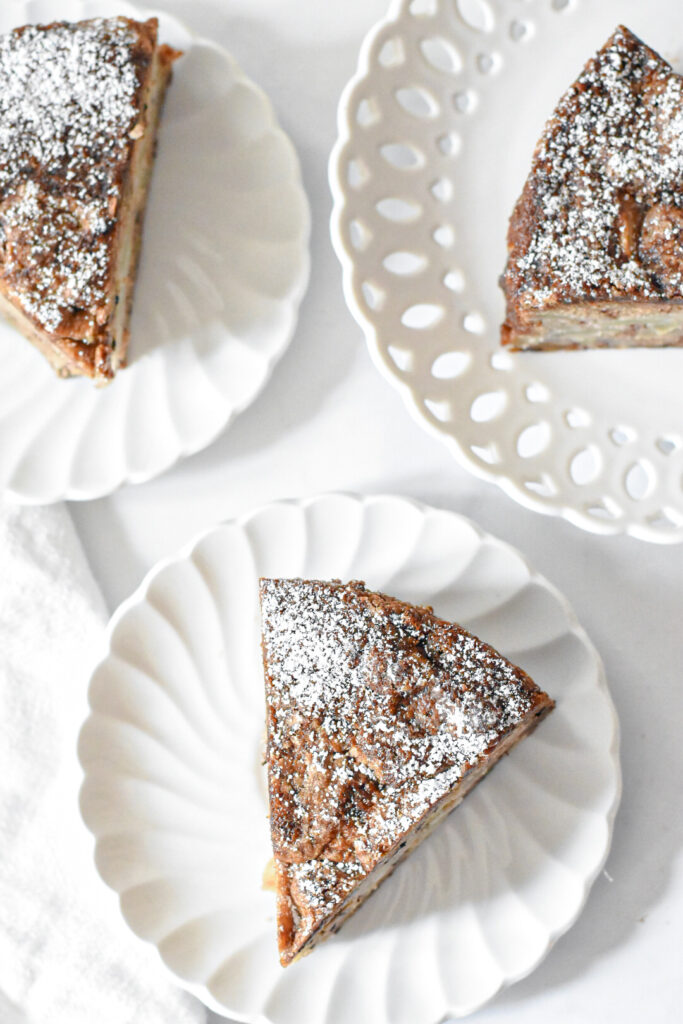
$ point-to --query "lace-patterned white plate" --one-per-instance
(174, 791)
(224, 267)
(436, 134)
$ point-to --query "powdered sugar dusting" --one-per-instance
(612, 152)
(376, 711)
(67, 105)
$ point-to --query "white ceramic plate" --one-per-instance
(175, 797)
(224, 266)
(436, 134)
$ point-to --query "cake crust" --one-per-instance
(380, 717)
(79, 104)
(595, 242)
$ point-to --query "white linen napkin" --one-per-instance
(66, 956)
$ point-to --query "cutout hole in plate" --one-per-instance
(488, 406)
(577, 418)
(357, 173)
(665, 519)
(392, 53)
(422, 316)
(444, 236)
(423, 8)
(537, 392)
(360, 235)
(449, 144)
(405, 263)
(417, 101)
(667, 445)
(533, 440)
(476, 14)
(604, 509)
(404, 156)
(374, 296)
(440, 409)
(401, 211)
(543, 486)
(465, 101)
(488, 63)
(474, 323)
(621, 436)
(441, 54)
(449, 365)
(639, 480)
(488, 454)
(585, 466)
(502, 360)
(401, 358)
(442, 190)
(454, 280)
(520, 31)
(367, 113)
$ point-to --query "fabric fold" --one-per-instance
(66, 956)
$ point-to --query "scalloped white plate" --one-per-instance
(224, 266)
(436, 134)
(175, 797)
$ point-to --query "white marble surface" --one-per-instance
(328, 421)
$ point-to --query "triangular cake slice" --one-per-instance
(595, 244)
(79, 108)
(380, 718)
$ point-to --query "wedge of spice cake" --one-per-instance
(595, 244)
(79, 108)
(380, 718)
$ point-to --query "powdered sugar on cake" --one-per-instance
(612, 152)
(376, 710)
(67, 107)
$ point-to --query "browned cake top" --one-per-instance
(69, 104)
(375, 710)
(601, 216)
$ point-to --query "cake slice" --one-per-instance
(79, 107)
(380, 718)
(595, 244)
